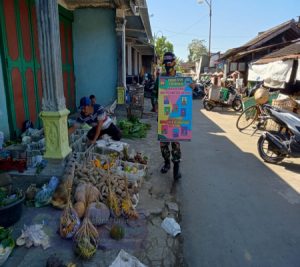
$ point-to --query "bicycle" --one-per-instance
(259, 113)
(252, 114)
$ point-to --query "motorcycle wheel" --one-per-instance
(237, 104)
(266, 149)
(207, 105)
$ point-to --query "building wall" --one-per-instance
(4, 127)
(95, 54)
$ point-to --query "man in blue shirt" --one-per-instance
(96, 116)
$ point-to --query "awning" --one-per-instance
(274, 74)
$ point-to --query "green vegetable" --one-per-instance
(133, 128)
(117, 232)
(4, 233)
(8, 242)
(3, 194)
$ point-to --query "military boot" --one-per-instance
(166, 167)
(176, 171)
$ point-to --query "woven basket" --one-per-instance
(272, 126)
(287, 104)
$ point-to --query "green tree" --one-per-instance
(162, 45)
(196, 50)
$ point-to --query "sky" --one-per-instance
(234, 22)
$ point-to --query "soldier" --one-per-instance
(169, 63)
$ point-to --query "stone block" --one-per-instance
(172, 206)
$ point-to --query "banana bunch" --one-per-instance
(127, 209)
(126, 205)
(113, 203)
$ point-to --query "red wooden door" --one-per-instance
(22, 70)
(67, 58)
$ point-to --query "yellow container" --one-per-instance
(121, 95)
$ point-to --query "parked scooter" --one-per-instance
(148, 86)
(198, 91)
(274, 146)
(251, 91)
(230, 98)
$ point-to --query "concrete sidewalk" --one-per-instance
(145, 238)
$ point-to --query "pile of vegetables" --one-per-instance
(86, 238)
(7, 244)
(102, 180)
(69, 220)
(97, 194)
(133, 128)
(6, 239)
(137, 158)
(104, 164)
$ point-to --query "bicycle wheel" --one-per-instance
(247, 117)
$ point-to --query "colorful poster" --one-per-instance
(174, 109)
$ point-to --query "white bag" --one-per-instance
(124, 259)
(171, 226)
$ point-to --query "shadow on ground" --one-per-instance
(235, 210)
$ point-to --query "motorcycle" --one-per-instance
(228, 97)
(198, 91)
(274, 146)
(148, 87)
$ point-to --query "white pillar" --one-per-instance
(54, 113)
(49, 44)
(129, 59)
(135, 58)
(121, 46)
(140, 62)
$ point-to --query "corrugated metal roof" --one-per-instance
(291, 51)
(265, 37)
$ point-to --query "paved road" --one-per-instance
(236, 210)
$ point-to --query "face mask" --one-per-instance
(169, 69)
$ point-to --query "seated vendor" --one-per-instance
(96, 117)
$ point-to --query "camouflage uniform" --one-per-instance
(165, 151)
(169, 62)
(164, 146)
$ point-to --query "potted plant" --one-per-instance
(10, 205)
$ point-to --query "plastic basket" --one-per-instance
(137, 97)
(250, 101)
(111, 145)
(138, 176)
(114, 163)
(214, 93)
(104, 151)
(224, 93)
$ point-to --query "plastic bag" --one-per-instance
(4, 254)
(171, 226)
(53, 183)
(34, 235)
(124, 259)
(44, 196)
